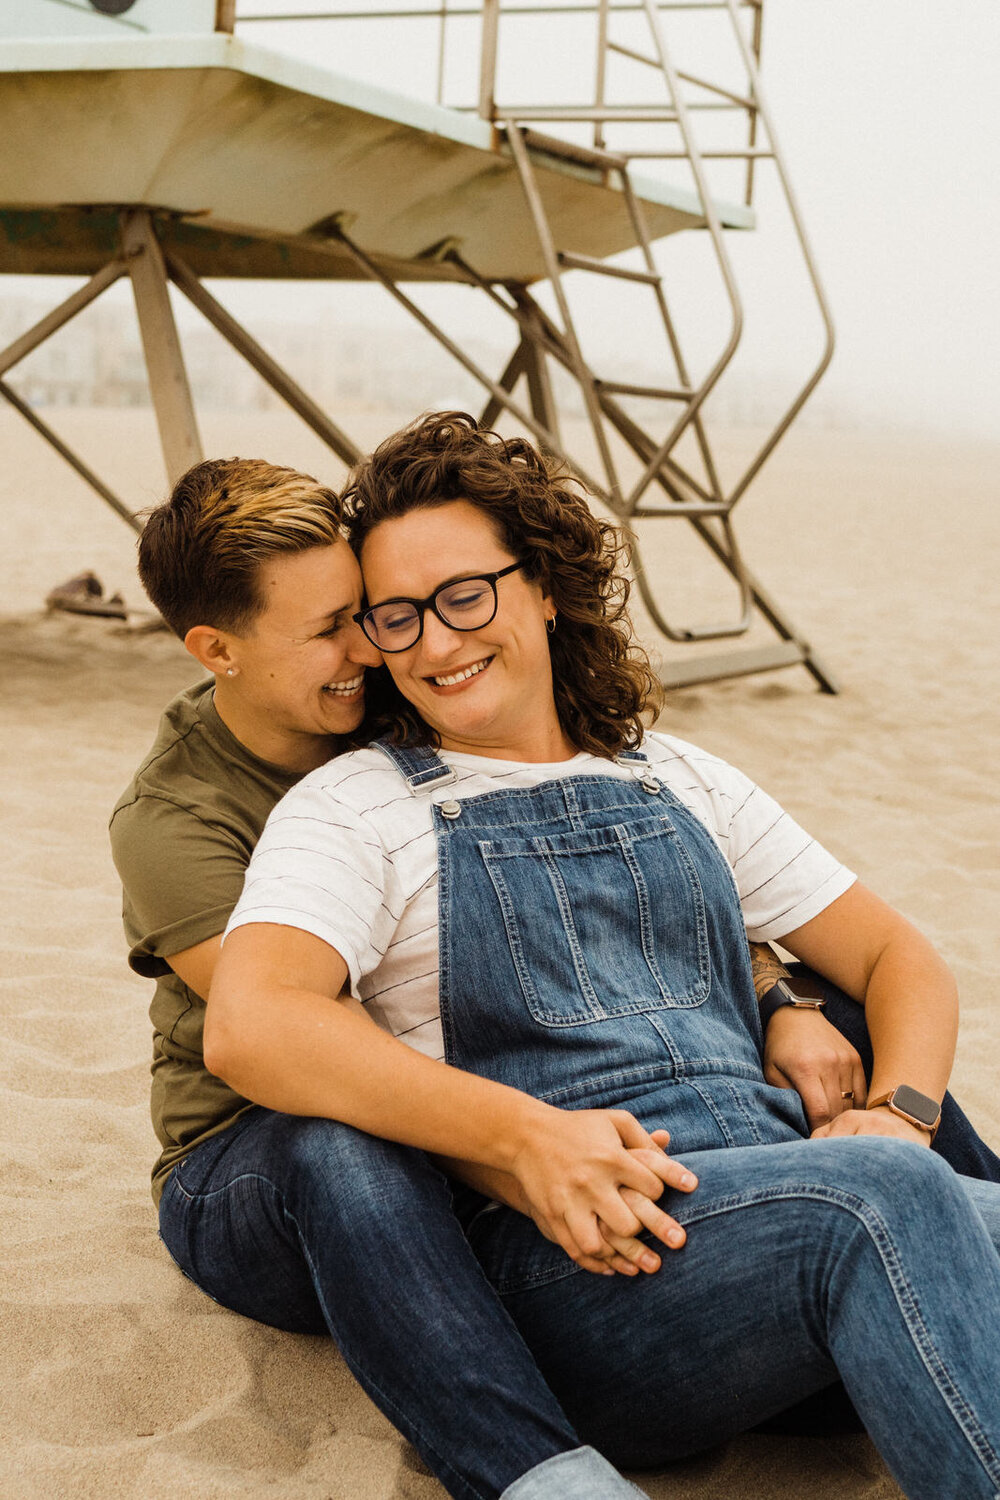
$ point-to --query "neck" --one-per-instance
(542, 748)
(294, 753)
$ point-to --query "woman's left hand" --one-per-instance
(802, 1051)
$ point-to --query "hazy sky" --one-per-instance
(889, 117)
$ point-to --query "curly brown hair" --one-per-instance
(603, 683)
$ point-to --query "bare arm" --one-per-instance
(276, 1031)
(908, 991)
(625, 1253)
(767, 968)
(196, 966)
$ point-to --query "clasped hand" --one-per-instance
(802, 1051)
(591, 1179)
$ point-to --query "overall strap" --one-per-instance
(637, 761)
(631, 757)
(420, 766)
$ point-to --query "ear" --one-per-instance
(212, 648)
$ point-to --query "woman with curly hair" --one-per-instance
(545, 910)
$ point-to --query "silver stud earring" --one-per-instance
(230, 671)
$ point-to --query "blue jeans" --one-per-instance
(314, 1227)
(866, 1258)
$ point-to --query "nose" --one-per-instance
(361, 650)
(438, 640)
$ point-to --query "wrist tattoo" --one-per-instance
(767, 968)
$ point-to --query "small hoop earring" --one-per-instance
(550, 624)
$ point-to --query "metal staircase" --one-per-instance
(700, 499)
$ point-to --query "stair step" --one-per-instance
(584, 156)
(588, 263)
(600, 114)
(656, 393)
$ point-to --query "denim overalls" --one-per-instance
(593, 954)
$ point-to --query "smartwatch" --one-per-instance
(794, 989)
(911, 1105)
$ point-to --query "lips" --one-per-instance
(345, 689)
(451, 679)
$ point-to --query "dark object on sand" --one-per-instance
(84, 595)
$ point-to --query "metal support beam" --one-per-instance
(267, 368)
(59, 316)
(512, 372)
(168, 382)
(543, 402)
(75, 462)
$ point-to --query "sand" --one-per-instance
(121, 1379)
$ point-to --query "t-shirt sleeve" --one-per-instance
(321, 867)
(181, 878)
(783, 875)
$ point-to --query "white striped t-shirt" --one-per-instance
(350, 855)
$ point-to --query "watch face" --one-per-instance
(912, 1102)
(804, 987)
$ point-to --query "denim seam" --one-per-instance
(714, 1111)
(739, 1105)
(885, 1247)
(513, 937)
(644, 1073)
(558, 884)
(198, 1197)
(700, 994)
(645, 935)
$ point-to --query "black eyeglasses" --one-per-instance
(463, 604)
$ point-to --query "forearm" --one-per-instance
(302, 1053)
(767, 968)
(911, 1003)
(911, 1006)
(490, 1181)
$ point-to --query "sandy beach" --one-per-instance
(120, 1378)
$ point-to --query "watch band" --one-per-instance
(911, 1105)
(796, 991)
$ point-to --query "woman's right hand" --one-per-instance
(591, 1179)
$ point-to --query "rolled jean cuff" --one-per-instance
(580, 1474)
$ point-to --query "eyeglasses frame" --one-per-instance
(430, 603)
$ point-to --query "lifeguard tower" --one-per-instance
(154, 140)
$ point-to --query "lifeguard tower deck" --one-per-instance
(153, 140)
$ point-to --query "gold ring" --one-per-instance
(847, 1094)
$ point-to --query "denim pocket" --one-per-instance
(573, 905)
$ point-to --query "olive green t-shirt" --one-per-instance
(182, 835)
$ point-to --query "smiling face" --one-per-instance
(486, 691)
(297, 675)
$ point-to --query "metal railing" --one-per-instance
(490, 12)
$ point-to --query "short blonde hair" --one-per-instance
(200, 553)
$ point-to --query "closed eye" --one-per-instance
(338, 625)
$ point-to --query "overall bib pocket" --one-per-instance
(572, 904)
